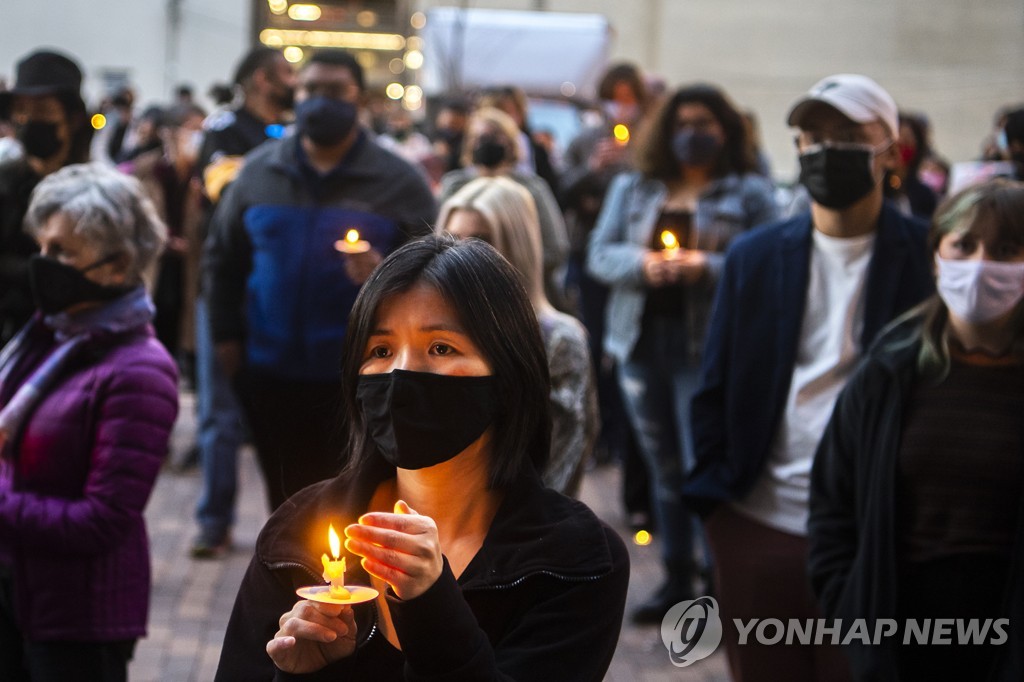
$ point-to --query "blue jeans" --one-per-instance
(657, 385)
(220, 434)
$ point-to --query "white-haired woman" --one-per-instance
(87, 401)
(502, 213)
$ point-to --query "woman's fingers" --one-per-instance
(315, 621)
(401, 548)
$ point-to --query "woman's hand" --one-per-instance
(313, 635)
(687, 267)
(402, 549)
(657, 272)
(359, 266)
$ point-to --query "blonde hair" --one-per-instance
(511, 214)
(495, 118)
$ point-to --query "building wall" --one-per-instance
(956, 61)
(132, 35)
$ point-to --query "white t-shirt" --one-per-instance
(828, 350)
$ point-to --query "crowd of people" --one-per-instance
(429, 330)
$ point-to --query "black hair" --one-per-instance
(221, 94)
(623, 72)
(918, 127)
(1014, 126)
(79, 125)
(492, 305)
(335, 57)
(654, 152)
(259, 57)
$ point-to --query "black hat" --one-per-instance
(43, 73)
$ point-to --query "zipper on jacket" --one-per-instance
(559, 576)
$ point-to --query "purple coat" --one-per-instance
(71, 501)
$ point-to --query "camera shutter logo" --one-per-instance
(691, 631)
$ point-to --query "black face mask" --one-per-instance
(39, 139)
(489, 152)
(837, 177)
(284, 98)
(695, 149)
(419, 419)
(325, 120)
(57, 286)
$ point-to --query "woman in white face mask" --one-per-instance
(917, 487)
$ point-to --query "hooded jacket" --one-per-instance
(542, 599)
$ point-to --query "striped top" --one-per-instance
(960, 473)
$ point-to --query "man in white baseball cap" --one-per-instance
(857, 97)
(815, 291)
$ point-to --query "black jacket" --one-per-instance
(852, 563)
(17, 181)
(542, 599)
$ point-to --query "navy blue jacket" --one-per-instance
(753, 336)
(273, 275)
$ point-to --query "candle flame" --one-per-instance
(621, 133)
(669, 240)
(352, 236)
(335, 541)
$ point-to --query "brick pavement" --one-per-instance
(191, 600)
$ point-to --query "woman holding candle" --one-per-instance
(482, 572)
(658, 244)
(502, 213)
(87, 401)
(916, 490)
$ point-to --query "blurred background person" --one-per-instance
(799, 302)
(265, 83)
(402, 137)
(167, 174)
(501, 212)
(659, 245)
(903, 186)
(490, 149)
(50, 121)
(88, 399)
(450, 130)
(533, 156)
(145, 135)
(593, 159)
(917, 485)
(1010, 140)
(279, 289)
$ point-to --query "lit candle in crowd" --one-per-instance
(670, 243)
(621, 133)
(334, 571)
(352, 243)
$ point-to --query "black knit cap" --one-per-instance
(43, 72)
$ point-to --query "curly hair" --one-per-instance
(654, 148)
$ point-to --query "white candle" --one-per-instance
(334, 571)
(352, 243)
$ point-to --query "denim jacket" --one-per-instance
(728, 207)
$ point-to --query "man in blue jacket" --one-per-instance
(279, 291)
(798, 303)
